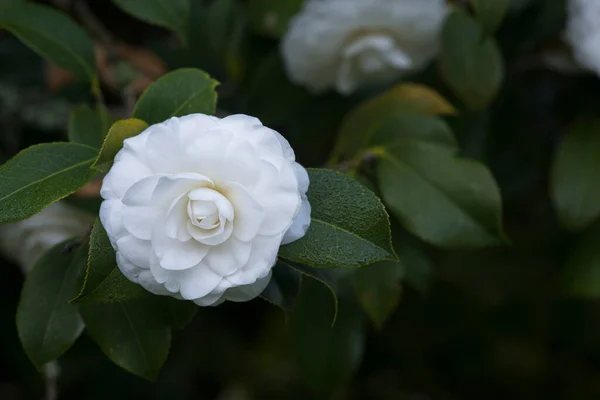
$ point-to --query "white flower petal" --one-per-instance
(247, 292)
(170, 187)
(183, 255)
(262, 258)
(348, 44)
(138, 220)
(249, 214)
(140, 193)
(197, 282)
(204, 209)
(300, 225)
(175, 223)
(112, 218)
(135, 251)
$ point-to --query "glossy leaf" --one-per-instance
(132, 334)
(47, 324)
(378, 289)
(271, 17)
(490, 13)
(52, 35)
(180, 92)
(40, 175)
(113, 142)
(328, 356)
(445, 200)
(408, 105)
(88, 126)
(349, 225)
(104, 282)
(470, 63)
(575, 178)
(170, 14)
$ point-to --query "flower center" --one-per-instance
(210, 216)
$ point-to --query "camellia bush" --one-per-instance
(335, 164)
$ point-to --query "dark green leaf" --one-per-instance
(582, 271)
(417, 267)
(113, 142)
(176, 313)
(407, 106)
(88, 126)
(40, 175)
(180, 92)
(445, 200)
(271, 17)
(349, 225)
(490, 13)
(53, 36)
(324, 276)
(170, 14)
(576, 176)
(328, 356)
(132, 334)
(104, 282)
(470, 63)
(47, 324)
(283, 288)
(425, 128)
(378, 289)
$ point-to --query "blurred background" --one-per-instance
(486, 324)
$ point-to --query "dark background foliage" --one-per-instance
(484, 324)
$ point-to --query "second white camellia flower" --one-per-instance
(347, 44)
(197, 207)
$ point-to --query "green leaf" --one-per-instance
(47, 324)
(575, 176)
(132, 334)
(425, 128)
(417, 267)
(170, 14)
(176, 313)
(180, 92)
(271, 17)
(328, 356)
(88, 126)
(445, 200)
(52, 35)
(408, 105)
(349, 225)
(113, 142)
(378, 289)
(490, 13)
(283, 288)
(582, 270)
(104, 282)
(41, 175)
(470, 64)
(288, 276)
(6, 3)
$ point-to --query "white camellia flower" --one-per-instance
(583, 32)
(26, 241)
(197, 207)
(347, 44)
